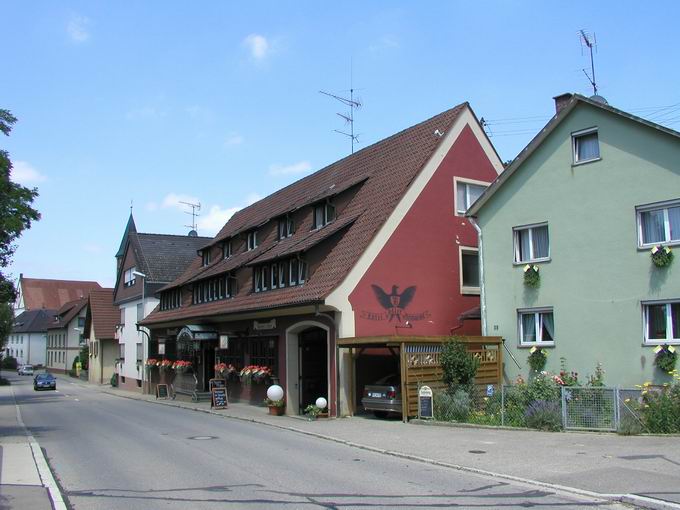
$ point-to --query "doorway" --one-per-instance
(313, 366)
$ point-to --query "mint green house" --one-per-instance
(585, 203)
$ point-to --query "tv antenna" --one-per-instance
(194, 213)
(590, 42)
(354, 104)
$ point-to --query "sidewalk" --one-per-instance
(25, 479)
(637, 467)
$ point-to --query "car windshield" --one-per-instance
(44, 376)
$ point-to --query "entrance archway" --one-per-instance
(307, 365)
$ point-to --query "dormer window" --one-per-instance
(586, 146)
(286, 227)
(129, 277)
(324, 213)
(252, 240)
(226, 249)
(205, 257)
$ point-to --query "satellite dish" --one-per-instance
(599, 99)
(193, 233)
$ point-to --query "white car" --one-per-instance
(26, 370)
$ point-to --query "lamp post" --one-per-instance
(139, 330)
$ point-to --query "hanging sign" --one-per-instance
(224, 341)
(259, 326)
(425, 402)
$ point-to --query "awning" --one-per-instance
(192, 332)
(392, 341)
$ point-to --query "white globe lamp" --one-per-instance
(275, 392)
(321, 403)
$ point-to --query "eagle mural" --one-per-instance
(394, 303)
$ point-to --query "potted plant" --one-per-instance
(312, 411)
(666, 357)
(165, 365)
(152, 363)
(531, 277)
(255, 374)
(662, 256)
(182, 366)
(537, 359)
(276, 407)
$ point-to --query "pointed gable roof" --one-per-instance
(52, 294)
(33, 321)
(102, 315)
(129, 228)
(67, 312)
(382, 173)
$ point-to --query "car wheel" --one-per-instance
(380, 414)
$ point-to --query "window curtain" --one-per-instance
(674, 220)
(528, 327)
(656, 322)
(524, 251)
(652, 226)
(548, 327)
(540, 242)
(587, 147)
(675, 320)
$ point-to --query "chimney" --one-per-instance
(561, 101)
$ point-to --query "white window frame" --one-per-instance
(128, 277)
(464, 181)
(516, 243)
(463, 288)
(658, 206)
(574, 141)
(326, 207)
(252, 240)
(206, 257)
(537, 324)
(285, 227)
(645, 323)
(226, 249)
(274, 283)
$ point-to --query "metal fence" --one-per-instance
(552, 408)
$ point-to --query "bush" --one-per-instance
(9, 362)
(459, 366)
(85, 356)
(537, 359)
(452, 406)
(543, 415)
(661, 410)
(629, 425)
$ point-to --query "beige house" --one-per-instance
(101, 317)
(65, 336)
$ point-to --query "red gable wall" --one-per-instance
(423, 253)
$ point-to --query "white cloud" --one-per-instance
(214, 220)
(233, 139)
(258, 46)
(24, 173)
(386, 42)
(77, 28)
(173, 200)
(300, 167)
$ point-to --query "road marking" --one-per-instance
(41, 463)
(77, 399)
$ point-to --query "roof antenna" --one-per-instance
(194, 214)
(590, 42)
(354, 104)
(131, 204)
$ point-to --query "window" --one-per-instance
(536, 327)
(129, 277)
(171, 299)
(285, 227)
(212, 289)
(121, 351)
(275, 276)
(469, 270)
(205, 257)
(466, 195)
(586, 146)
(140, 354)
(324, 213)
(662, 322)
(81, 322)
(531, 243)
(140, 312)
(226, 249)
(659, 224)
(279, 274)
(122, 316)
(283, 274)
(252, 240)
(294, 267)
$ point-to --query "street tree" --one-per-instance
(16, 215)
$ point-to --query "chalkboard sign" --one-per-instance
(425, 402)
(219, 398)
(216, 383)
(161, 391)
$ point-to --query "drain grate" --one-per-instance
(202, 438)
(476, 451)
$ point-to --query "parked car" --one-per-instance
(44, 381)
(383, 396)
(26, 370)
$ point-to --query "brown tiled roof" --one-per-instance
(102, 315)
(52, 294)
(67, 312)
(384, 170)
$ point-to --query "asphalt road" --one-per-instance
(109, 452)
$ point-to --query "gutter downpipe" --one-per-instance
(482, 292)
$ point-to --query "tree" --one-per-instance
(6, 323)
(16, 211)
(458, 365)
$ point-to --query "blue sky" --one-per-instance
(154, 102)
